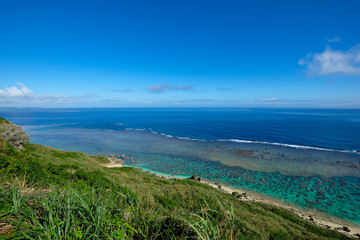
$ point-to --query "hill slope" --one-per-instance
(52, 194)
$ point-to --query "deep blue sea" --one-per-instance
(309, 157)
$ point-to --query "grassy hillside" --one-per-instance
(52, 194)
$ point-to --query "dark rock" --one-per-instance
(195, 177)
(240, 195)
(13, 134)
(357, 235)
(346, 229)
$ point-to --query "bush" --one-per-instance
(276, 235)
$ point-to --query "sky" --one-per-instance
(287, 54)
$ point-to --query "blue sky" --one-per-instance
(180, 54)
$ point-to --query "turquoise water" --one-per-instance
(337, 195)
(307, 157)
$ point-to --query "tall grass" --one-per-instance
(69, 214)
(213, 224)
(66, 214)
(17, 200)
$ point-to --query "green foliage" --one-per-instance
(127, 170)
(61, 154)
(101, 159)
(68, 214)
(276, 235)
(17, 201)
(5, 201)
(3, 120)
(165, 202)
(211, 223)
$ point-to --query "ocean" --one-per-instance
(307, 157)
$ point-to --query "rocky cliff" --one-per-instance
(12, 133)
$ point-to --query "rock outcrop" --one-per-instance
(13, 134)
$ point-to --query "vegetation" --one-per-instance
(3, 120)
(52, 194)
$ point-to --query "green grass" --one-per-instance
(3, 120)
(52, 194)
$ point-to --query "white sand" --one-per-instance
(114, 162)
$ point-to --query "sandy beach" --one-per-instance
(114, 162)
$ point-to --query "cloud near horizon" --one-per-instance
(161, 88)
(14, 91)
(269, 99)
(125, 90)
(333, 62)
(23, 96)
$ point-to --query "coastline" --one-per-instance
(174, 156)
(316, 217)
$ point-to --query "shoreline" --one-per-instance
(317, 217)
(114, 162)
(314, 216)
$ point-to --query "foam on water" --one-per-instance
(247, 141)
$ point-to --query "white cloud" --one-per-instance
(333, 62)
(269, 99)
(181, 88)
(21, 95)
(334, 39)
(124, 90)
(14, 91)
(160, 88)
